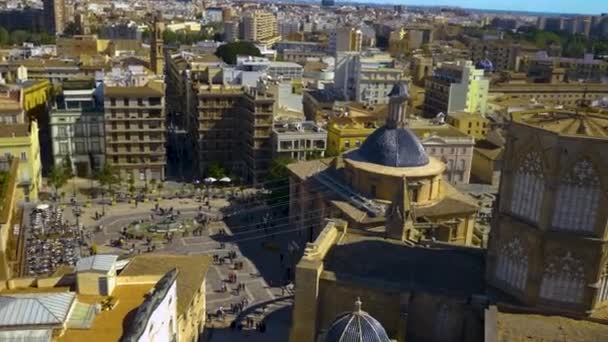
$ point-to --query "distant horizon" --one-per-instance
(540, 7)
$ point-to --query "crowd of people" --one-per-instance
(51, 241)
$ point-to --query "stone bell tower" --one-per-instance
(157, 59)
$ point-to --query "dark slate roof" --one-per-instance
(394, 147)
(399, 89)
(356, 327)
(327, 95)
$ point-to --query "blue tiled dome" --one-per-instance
(394, 147)
(485, 64)
(357, 326)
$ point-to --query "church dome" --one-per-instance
(485, 64)
(394, 147)
(356, 326)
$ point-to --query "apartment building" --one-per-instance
(297, 56)
(540, 66)
(298, 140)
(300, 46)
(134, 107)
(225, 114)
(20, 141)
(376, 76)
(345, 38)
(449, 145)
(231, 31)
(471, 124)
(503, 54)
(260, 26)
(77, 127)
(235, 127)
(456, 86)
(366, 78)
(54, 15)
(398, 43)
(54, 70)
(248, 71)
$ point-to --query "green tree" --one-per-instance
(153, 184)
(229, 52)
(67, 167)
(72, 29)
(68, 172)
(131, 182)
(57, 177)
(169, 37)
(46, 38)
(108, 176)
(145, 35)
(18, 37)
(216, 170)
(4, 36)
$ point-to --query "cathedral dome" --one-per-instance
(485, 64)
(394, 147)
(356, 326)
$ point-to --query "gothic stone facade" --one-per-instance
(548, 246)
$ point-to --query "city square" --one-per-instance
(253, 248)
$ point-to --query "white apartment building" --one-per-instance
(366, 78)
(77, 128)
(260, 26)
(298, 140)
(456, 86)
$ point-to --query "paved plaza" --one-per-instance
(266, 255)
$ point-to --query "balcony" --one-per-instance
(135, 129)
(160, 140)
(135, 151)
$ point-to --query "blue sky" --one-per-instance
(561, 6)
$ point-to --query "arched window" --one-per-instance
(603, 290)
(578, 198)
(512, 264)
(528, 188)
(563, 280)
